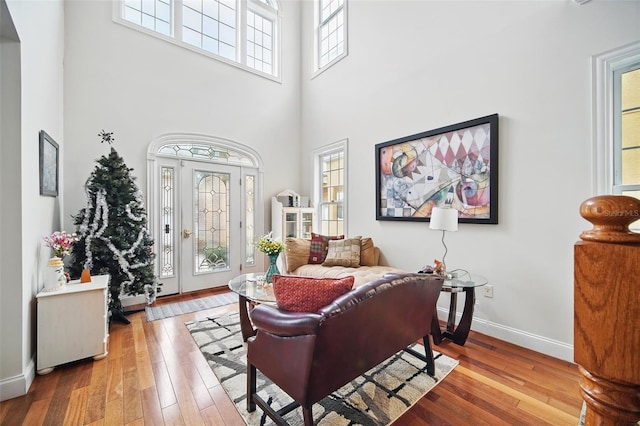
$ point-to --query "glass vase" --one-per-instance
(273, 268)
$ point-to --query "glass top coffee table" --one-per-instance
(251, 290)
(462, 281)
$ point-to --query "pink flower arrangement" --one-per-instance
(60, 242)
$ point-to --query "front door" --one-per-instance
(199, 234)
(210, 225)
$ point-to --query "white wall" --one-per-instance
(10, 337)
(420, 65)
(40, 28)
(140, 87)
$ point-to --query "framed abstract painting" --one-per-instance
(454, 166)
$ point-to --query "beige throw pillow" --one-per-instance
(296, 252)
(343, 253)
(368, 253)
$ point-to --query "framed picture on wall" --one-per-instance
(48, 165)
(455, 165)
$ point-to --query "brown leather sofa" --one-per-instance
(310, 355)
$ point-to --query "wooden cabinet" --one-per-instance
(72, 323)
(291, 221)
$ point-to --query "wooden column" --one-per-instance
(607, 311)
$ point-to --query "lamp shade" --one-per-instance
(445, 219)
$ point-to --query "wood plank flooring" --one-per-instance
(154, 375)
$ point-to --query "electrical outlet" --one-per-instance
(487, 291)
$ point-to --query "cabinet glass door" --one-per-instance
(291, 224)
(306, 225)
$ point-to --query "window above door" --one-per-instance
(243, 33)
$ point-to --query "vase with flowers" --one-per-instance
(61, 245)
(272, 248)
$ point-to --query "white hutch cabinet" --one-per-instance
(72, 323)
(291, 221)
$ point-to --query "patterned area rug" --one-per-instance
(376, 398)
(173, 309)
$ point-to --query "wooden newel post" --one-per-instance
(607, 311)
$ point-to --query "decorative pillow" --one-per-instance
(367, 253)
(343, 253)
(308, 294)
(319, 246)
(296, 253)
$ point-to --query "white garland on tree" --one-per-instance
(90, 229)
(91, 232)
(133, 217)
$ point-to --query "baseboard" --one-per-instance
(522, 338)
(16, 386)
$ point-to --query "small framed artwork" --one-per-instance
(48, 165)
(454, 166)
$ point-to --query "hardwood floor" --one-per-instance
(154, 374)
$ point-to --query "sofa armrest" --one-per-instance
(284, 323)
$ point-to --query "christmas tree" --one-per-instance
(112, 232)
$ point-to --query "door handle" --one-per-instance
(186, 233)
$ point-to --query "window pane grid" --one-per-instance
(328, 8)
(631, 166)
(259, 42)
(332, 38)
(332, 195)
(210, 25)
(631, 128)
(629, 144)
(151, 14)
(213, 26)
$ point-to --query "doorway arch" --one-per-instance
(222, 244)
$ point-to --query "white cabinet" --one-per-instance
(291, 221)
(297, 222)
(72, 323)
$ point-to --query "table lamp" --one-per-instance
(444, 219)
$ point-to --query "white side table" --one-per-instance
(72, 323)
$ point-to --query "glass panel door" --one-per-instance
(210, 225)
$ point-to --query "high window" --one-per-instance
(617, 112)
(330, 188)
(331, 32)
(241, 32)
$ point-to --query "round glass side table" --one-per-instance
(461, 281)
(251, 290)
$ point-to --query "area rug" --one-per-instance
(173, 309)
(375, 398)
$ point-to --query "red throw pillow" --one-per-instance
(319, 247)
(307, 294)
